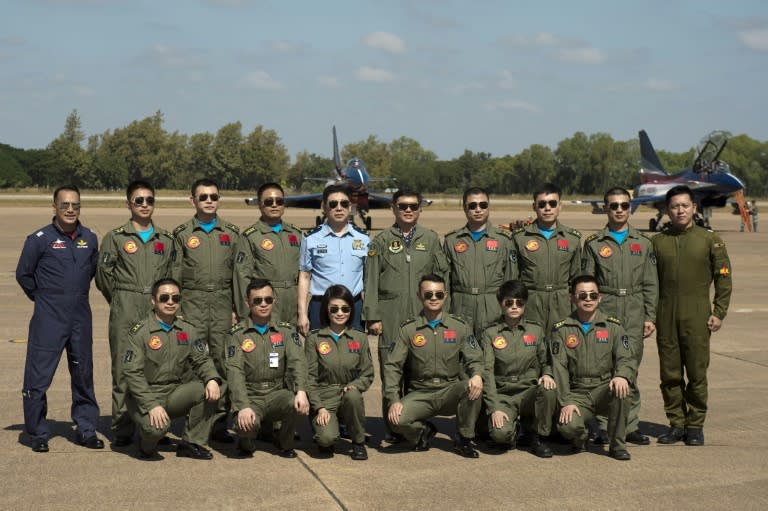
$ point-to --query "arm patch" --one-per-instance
(296, 339)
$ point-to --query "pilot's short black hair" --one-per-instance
(512, 289)
(431, 277)
(582, 279)
(678, 190)
(616, 190)
(267, 186)
(546, 189)
(205, 181)
(336, 291)
(65, 188)
(163, 282)
(138, 184)
(255, 285)
(406, 193)
(475, 190)
(335, 189)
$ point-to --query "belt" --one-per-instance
(436, 380)
(592, 379)
(548, 287)
(616, 291)
(208, 288)
(474, 290)
(265, 384)
(329, 385)
(282, 284)
(143, 290)
(508, 379)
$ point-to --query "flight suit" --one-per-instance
(264, 373)
(627, 279)
(477, 270)
(392, 274)
(583, 366)
(262, 253)
(154, 364)
(546, 266)
(331, 366)
(127, 269)
(433, 363)
(55, 272)
(688, 262)
(514, 359)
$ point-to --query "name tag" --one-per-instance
(274, 359)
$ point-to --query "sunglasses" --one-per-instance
(273, 201)
(139, 201)
(204, 197)
(428, 295)
(405, 206)
(543, 203)
(333, 204)
(169, 298)
(616, 205)
(514, 302)
(66, 205)
(334, 309)
(269, 300)
(591, 296)
(475, 205)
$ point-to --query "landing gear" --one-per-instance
(652, 224)
(318, 220)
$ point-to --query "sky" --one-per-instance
(485, 75)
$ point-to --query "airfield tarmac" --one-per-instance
(729, 472)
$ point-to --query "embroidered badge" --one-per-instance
(200, 346)
(58, 244)
(601, 336)
(353, 346)
(724, 271)
(449, 336)
(460, 247)
(357, 244)
(499, 343)
(635, 249)
(419, 340)
(154, 343)
(129, 355)
(82, 243)
(225, 240)
(571, 341)
(182, 338)
(293, 240)
(529, 339)
(625, 341)
(159, 248)
(248, 345)
(324, 347)
(492, 245)
(276, 339)
(532, 246)
(562, 245)
(396, 247)
(605, 251)
(230, 351)
(130, 247)
(267, 244)
(421, 247)
(193, 242)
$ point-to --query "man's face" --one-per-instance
(66, 209)
(432, 295)
(617, 208)
(206, 200)
(272, 204)
(477, 208)
(409, 215)
(167, 299)
(261, 301)
(139, 204)
(586, 297)
(513, 308)
(681, 210)
(547, 207)
(337, 207)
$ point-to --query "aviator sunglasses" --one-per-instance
(475, 205)
(514, 302)
(428, 295)
(405, 206)
(273, 201)
(543, 203)
(334, 309)
(204, 197)
(616, 205)
(592, 296)
(333, 204)
(139, 201)
(66, 205)
(165, 298)
(269, 300)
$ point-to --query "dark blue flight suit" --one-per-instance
(55, 272)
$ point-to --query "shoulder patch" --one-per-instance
(533, 322)
(236, 328)
(285, 324)
(614, 319)
(314, 331)
(296, 339)
(507, 234)
(135, 328)
(119, 230)
(232, 227)
(407, 322)
(179, 229)
(591, 237)
(453, 231)
(574, 232)
(472, 342)
(458, 318)
(559, 324)
(316, 229)
(518, 230)
(249, 231)
(358, 229)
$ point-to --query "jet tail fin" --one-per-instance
(648, 157)
(336, 155)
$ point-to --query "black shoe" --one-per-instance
(540, 449)
(287, 453)
(122, 441)
(343, 431)
(245, 448)
(579, 446)
(638, 438)
(392, 438)
(620, 455)
(359, 452)
(325, 452)
(40, 445)
(601, 437)
(672, 436)
(164, 441)
(427, 434)
(149, 456)
(92, 442)
(694, 436)
(194, 451)
(222, 436)
(463, 446)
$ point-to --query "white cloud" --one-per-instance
(329, 82)
(754, 38)
(372, 74)
(286, 47)
(259, 80)
(385, 41)
(582, 55)
(462, 88)
(507, 80)
(660, 85)
(546, 39)
(512, 104)
(173, 58)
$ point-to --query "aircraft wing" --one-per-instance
(309, 201)
(379, 201)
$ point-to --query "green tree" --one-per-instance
(308, 167)
(226, 157)
(374, 153)
(264, 158)
(12, 174)
(412, 165)
(69, 161)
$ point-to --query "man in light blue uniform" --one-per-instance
(332, 253)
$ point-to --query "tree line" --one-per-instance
(581, 164)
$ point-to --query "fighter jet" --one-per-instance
(709, 178)
(356, 178)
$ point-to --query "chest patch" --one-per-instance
(154, 343)
(130, 247)
(353, 346)
(601, 336)
(532, 246)
(193, 242)
(571, 342)
(182, 338)
(529, 339)
(419, 340)
(635, 249)
(492, 245)
(267, 244)
(562, 245)
(247, 345)
(500, 342)
(324, 347)
(449, 336)
(460, 247)
(605, 251)
(276, 339)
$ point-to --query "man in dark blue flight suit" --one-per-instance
(55, 270)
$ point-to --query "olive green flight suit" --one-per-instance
(515, 358)
(331, 366)
(262, 253)
(433, 363)
(583, 366)
(154, 370)
(688, 263)
(264, 373)
(546, 266)
(392, 274)
(127, 269)
(477, 270)
(627, 278)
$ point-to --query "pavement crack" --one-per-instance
(327, 489)
(761, 364)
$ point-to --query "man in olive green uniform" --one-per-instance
(158, 352)
(397, 258)
(267, 373)
(131, 259)
(689, 258)
(433, 353)
(547, 255)
(269, 249)
(593, 367)
(621, 259)
(203, 259)
(479, 261)
(517, 374)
